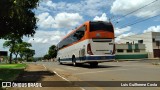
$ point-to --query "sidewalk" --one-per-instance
(137, 59)
(38, 73)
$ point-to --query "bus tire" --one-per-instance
(74, 61)
(93, 64)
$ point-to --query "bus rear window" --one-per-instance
(94, 26)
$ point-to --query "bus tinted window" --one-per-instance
(94, 26)
(79, 33)
(73, 37)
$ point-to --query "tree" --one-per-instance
(11, 44)
(16, 48)
(52, 51)
(19, 48)
(16, 51)
(29, 53)
(17, 19)
(47, 56)
(22, 47)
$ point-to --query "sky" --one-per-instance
(56, 18)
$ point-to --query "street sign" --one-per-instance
(3, 53)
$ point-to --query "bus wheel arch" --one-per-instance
(59, 60)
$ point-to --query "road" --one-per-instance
(109, 71)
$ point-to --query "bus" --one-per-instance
(92, 42)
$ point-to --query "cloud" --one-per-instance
(42, 40)
(51, 4)
(121, 31)
(1, 45)
(61, 20)
(65, 20)
(118, 39)
(50, 37)
(101, 18)
(85, 7)
(153, 29)
(45, 20)
(123, 7)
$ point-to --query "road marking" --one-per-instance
(99, 71)
(44, 67)
(61, 76)
(65, 78)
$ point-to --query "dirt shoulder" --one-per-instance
(38, 73)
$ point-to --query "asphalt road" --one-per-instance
(109, 71)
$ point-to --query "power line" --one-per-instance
(140, 21)
(137, 9)
(136, 38)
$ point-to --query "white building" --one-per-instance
(150, 39)
(131, 51)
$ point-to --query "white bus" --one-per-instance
(92, 42)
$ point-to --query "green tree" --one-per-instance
(16, 51)
(52, 51)
(17, 19)
(16, 48)
(19, 48)
(22, 47)
(47, 56)
(29, 53)
(11, 44)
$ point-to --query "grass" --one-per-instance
(12, 66)
(8, 72)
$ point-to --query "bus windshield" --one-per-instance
(94, 26)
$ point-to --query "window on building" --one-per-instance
(120, 50)
(140, 41)
(137, 50)
(127, 42)
(153, 39)
(157, 43)
(129, 50)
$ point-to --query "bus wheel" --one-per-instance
(94, 64)
(74, 61)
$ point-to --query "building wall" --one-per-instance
(147, 40)
(131, 55)
(155, 36)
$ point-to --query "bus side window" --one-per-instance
(80, 33)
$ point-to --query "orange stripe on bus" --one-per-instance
(86, 23)
(90, 35)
